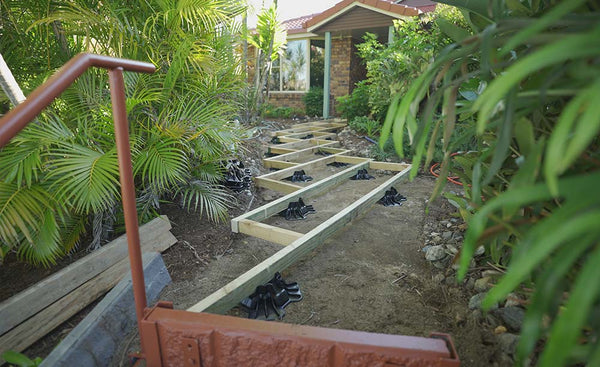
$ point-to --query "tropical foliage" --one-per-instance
(526, 87)
(60, 176)
(393, 66)
(269, 40)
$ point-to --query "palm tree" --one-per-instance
(178, 117)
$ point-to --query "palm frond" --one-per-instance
(204, 198)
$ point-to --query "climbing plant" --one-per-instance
(525, 85)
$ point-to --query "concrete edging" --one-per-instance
(96, 338)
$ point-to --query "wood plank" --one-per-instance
(388, 166)
(37, 326)
(228, 296)
(276, 185)
(304, 152)
(287, 139)
(350, 160)
(270, 233)
(281, 174)
(278, 205)
(278, 164)
(279, 150)
(30, 301)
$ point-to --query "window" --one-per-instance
(290, 72)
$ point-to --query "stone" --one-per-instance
(471, 283)
(482, 284)
(479, 251)
(452, 250)
(512, 317)
(508, 343)
(435, 253)
(475, 302)
(439, 278)
(500, 330)
(437, 239)
(267, 197)
(512, 300)
(447, 235)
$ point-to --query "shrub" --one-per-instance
(365, 125)
(271, 111)
(313, 100)
(526, 87)
(355, 104)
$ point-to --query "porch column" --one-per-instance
(326, 76)
(390, 35)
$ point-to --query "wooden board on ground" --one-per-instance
(43, 322)
(228, 296)
(27, 303)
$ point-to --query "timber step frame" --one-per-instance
(295, 244)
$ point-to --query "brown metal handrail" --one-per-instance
(16, 120)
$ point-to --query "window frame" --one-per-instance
(307, 69)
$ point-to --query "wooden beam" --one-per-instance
(231, 294)
(23, 305)
(31, 330)
(350, 160)
(278, 164)
(287, 139)
(278, 205)
(270, 233)
(306, 151)
(276, 185)
(388, 166)
(281, 174)
(279, 150)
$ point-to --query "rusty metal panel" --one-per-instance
(230, 341)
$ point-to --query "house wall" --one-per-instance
(287, 99)
(341, 55)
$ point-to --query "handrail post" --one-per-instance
(117, 94)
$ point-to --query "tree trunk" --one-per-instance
(9, 84)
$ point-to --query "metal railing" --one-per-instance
(16, 120)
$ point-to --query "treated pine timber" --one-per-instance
(267, 232)
(305, 152)
(287, 139)
(306, 143)
(279, 164)
(223, 299)
(276, 185)
(274, 149)
(278, 205)
(387, 166)
(287, 172)
(27, 303)
(43, 322)
(351, 160)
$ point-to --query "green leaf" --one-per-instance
(568, 48)
(567, 328)
(548, 292)
(389, 119)
(451, 30)
(18, 359)
(523, 130)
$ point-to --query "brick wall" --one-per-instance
(341, 55)
(283, 99)
(358, 70)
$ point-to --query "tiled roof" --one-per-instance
(386, 5)
(296, 25)
(404, 7)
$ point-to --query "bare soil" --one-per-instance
(370, 276)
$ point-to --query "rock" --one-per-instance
(452, 250)
(482, 284)
(479, 251)
(439, 278)
(475, 302)
(458, 238)
(444, 222)
(433, 234)
(448, 225)
(490, 273)
(437, 239)
(500, 330)
(441, 264)
(267, 197)
(471, 283)
(435, 253)
(512, 300)
(512, 317)
(508, 343)
(447, 235)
